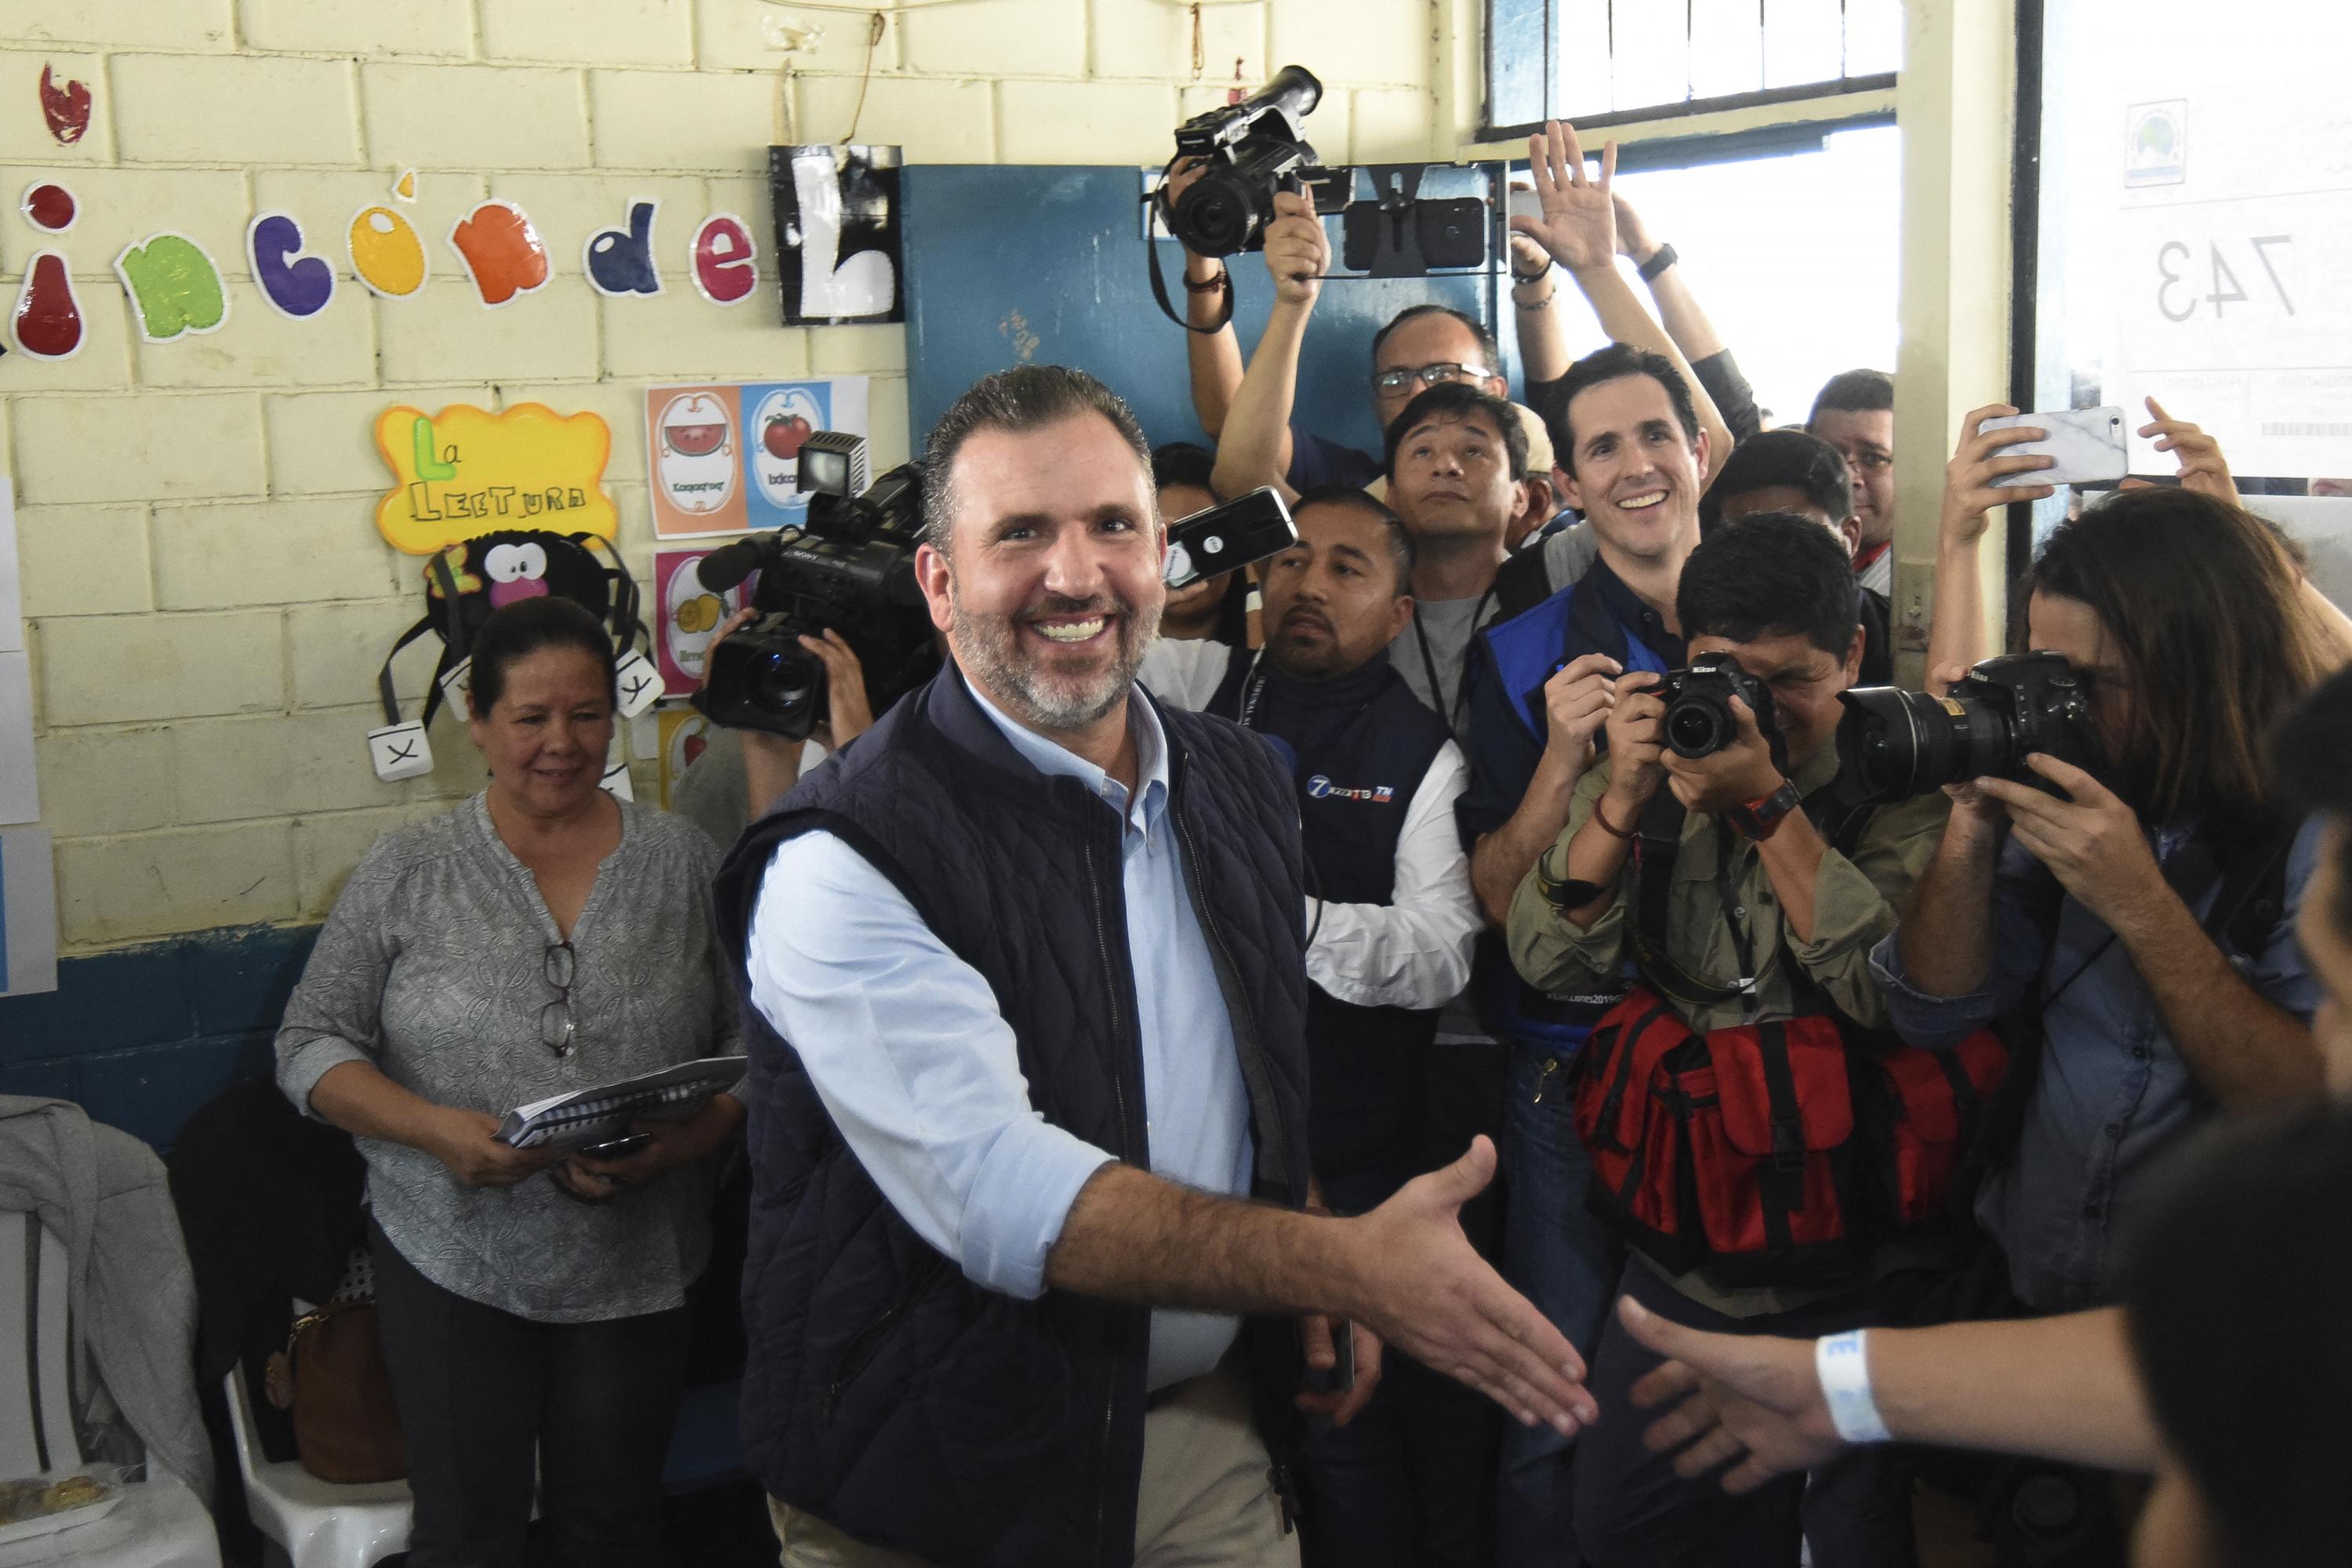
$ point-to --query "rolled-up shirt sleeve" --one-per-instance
(1414, 951)
(2024, 920)
(905, 1046)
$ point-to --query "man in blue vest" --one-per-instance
(1391, 923)
(1542, 684)
(1027, 985)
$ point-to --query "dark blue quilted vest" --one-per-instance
(884, 1392)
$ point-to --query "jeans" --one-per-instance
(1634, 1512)
(1564, 1259)
(481, 1392)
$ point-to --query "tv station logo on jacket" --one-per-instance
(1320, 788)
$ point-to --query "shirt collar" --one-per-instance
(1633, 612)
(1055, 760)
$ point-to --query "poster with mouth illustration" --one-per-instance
(691, 615)
(694, 456)
(725, 458)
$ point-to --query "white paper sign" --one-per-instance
(400, 751)
(639, 682)
(28, 912)
(12, 604)
(20, 795)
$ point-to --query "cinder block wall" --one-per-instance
(208, 597)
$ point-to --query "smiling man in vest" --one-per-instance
(1029, 1272)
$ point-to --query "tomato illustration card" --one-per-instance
(778, 417)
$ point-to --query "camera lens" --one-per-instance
(1214, 218)
(1903, 743)
(1696, 727)
(782, 681)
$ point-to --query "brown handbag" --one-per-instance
(332, 1376)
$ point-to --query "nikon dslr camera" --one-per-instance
(1895, 744)
(1699, 721)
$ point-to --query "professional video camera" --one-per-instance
(1699, 721)
(852, 570)
(1895, 744)
(1253, 149)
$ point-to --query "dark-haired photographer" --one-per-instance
(1725, 1100)
(2140, 908)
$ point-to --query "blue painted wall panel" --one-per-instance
(1040, 264)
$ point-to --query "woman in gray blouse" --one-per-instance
(541, 937)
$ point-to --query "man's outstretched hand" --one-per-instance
(1747, 1401)
(1425, 1290)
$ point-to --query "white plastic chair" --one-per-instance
(159, 1522)
(321, 1524)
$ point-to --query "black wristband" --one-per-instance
(1217, 285)
(1760, 820)
(1660, 259)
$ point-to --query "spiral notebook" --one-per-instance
(592, 1115)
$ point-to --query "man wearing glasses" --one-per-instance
(1855, 412)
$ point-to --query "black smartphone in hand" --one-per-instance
(619, 1148)
(1341, 1377)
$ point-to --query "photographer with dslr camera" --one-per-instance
(2134, 902)
(1708, 849)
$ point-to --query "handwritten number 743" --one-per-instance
(2176, 294)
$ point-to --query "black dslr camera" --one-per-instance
(1699, 721)
(1253, 149)
(851, 569)
(1895, 744)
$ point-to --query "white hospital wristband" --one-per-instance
(1842, 1363)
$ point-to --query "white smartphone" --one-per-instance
(2088, 444)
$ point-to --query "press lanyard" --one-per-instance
(1452, 709)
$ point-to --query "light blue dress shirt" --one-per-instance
(904, 1045)
(2114, 1093)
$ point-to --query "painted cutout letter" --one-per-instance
(621, 261)
(836, 233)
(386, 252)
(296, 285)
(176, 286)
(724, 260)
(501, 251)
(67, 108)
(48, 316)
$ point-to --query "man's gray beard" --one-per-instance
(989, 649)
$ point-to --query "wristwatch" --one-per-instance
(1758, 820)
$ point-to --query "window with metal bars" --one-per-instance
(1605, 62)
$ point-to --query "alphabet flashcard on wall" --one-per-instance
(683, 735)
(691, 615)
(838, 234)
(725, 457)
(466, 471)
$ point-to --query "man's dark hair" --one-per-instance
(2311, 768)
(2207, 619)
(1774, 459)
(2232, 1285)
(1615, 363)
(1772, 573)
(1400, 539)
(1182, 463)
(1854, 392)
(1486, 344)
(1027, 397)
(1454, 400)
(525, 627)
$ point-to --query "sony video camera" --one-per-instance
(1253, 149)
(849, 569)
(1699, 721)
(1895, 744)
